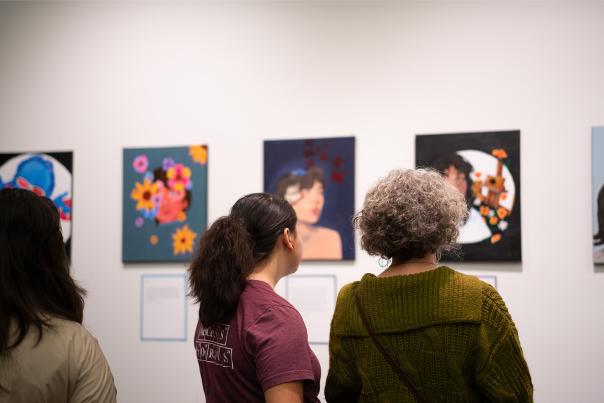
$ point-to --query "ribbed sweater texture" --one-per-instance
(451, 333)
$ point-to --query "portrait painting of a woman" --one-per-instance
(317, 178)
(305, 191)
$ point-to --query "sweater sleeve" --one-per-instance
(343, 383)
(502, 373)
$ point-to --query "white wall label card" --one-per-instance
(164, 307)
(315, 298)
(489, 279)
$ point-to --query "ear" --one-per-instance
(288, 239)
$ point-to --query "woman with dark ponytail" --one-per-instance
(251, 344)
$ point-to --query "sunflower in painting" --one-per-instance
(143, 194)
(182, 240)
(199, 154)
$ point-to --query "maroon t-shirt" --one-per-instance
(264, 345)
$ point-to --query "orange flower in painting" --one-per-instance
(153, 239)
(496, 238)
(504, 196)
(182, 216)
(143, 194)
(183, 240)
(493, 220)
(199, 154)
(499, 153)
(484, 210)
(502, 212)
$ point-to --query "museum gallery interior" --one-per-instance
(145, 121)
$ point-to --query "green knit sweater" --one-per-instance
(451, 334)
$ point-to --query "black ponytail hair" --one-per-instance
(34, 268)
(229, 250)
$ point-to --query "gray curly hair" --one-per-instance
(409, 214)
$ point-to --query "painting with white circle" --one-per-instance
(485, 168)
(46, 174)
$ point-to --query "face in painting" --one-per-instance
(457, 179)
(310, 205)
(172, 206)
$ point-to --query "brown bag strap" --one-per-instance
(401, 374)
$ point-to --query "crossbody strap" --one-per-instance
(401, 374)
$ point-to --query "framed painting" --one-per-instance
(164, 202)
(485, 168)
(597, 161)
(47, 174)
(316, 176)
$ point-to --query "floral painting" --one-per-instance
(597, 162)
(47, 174)
(485, 168)
(164, 202)
(316, 176)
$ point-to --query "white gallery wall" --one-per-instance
(97, 77)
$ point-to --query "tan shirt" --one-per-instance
(66, 366)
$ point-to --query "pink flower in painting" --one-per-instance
(179, 177)
(140, 163)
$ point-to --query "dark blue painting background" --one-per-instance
(283, 156)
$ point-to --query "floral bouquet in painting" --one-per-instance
(165, 199)
(489, 195)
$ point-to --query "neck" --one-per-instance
(305, 230)
(269, 271)
(412, 266)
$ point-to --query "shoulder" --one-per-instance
(280, 315)
(465, 280)
(346, 293)
(327, 234)
(88, 369)
(81, 343)
(462, 286)
(70, 331)
(491, 306)
(494, 312)
(276, 325)
(67, 326)
(260, 298)
(345, 305)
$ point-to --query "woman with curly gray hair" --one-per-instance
(419, 331)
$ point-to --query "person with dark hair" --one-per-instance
(456, 171)
(599, 236)
(419, 331)
(251, 344)
(46, 355)
(304, 190)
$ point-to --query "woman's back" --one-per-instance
(66, 365)
(43, 358)
(250, 343)
(450, 333)
(265, 344)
